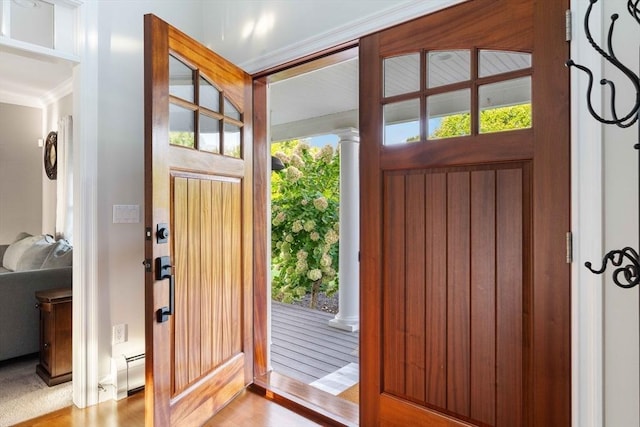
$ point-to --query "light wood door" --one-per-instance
(198, 205)
(465, 290)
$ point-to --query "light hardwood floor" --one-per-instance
(248, 409)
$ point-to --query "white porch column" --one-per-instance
(348, 317)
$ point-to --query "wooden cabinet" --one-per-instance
(55, 335)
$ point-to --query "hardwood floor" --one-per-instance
(248, 409)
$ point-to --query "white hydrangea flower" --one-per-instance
(314, 274)
(321, 203)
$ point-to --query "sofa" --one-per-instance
(29, 264)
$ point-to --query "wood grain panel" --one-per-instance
(180, 317)
(398, 413)
(458, 293)
(235, 259)
(509, 316)
(227, 271)
(483, 304)
(394, 327)
(551, 175)
(435, 328)
(505, 147)
(371, 243)
(208, 395)
(217, 228)
(466, 25)
(206, 276)
(194, 295)
(261, 210)
(415, 287)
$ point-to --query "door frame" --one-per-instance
(587, 226)
(587, 295)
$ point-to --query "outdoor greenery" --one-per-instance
(491, 120)
(305, 221)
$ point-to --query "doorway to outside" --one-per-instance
(314, 223)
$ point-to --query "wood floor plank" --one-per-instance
(247, 409)
(305, 347)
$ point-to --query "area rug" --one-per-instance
(23, 394)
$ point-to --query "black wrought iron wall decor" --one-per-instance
(627, 260)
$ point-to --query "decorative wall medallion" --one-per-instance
(51, 155)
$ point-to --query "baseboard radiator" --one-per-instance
(129, 377)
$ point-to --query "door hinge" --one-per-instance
(568, 23)
(569, 238)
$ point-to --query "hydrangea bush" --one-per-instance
(304, 221)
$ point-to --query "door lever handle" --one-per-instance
(164, 271)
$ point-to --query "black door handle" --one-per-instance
(164, 271)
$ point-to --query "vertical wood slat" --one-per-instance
(194, 294)
(483, 304)
(393, 287)
(180, 319)
(415, 287)
(206, 303)
(227, 272)
(217, 265)
(236, 268)
(509, 298)
(435, 328)
(458, 294)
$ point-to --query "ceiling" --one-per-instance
(256, 34)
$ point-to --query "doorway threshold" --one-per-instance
(307, 400)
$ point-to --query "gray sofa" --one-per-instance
(30, 264)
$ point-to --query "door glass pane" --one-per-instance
(180, 79)
(230, 110)
(402, 122)
(209, 96)
(492, 62)
(445, 67)
(209, 134)
(505, 105)
(231, 140)
(449, 114)
(401, 74)
(181, 126)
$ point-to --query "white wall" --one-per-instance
(621, 229)
(21, 167)
(53, 112)
(121, 163)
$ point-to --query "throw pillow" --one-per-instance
(34, 256)
(60, 256)
(15, 251)
(22, 235)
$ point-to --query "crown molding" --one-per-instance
(348, 32)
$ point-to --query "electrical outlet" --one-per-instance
(119, 333)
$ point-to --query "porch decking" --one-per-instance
(305, 347)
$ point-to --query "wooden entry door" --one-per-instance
(198, 217)
(465, 289)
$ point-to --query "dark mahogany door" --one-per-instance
(465, 290)
(198, 214)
